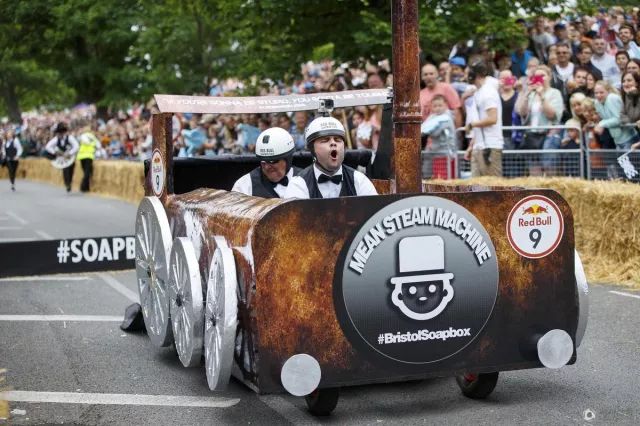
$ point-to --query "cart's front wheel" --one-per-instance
(321, 402)
(477, 386)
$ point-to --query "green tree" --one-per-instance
(24, 82)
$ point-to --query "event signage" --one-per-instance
(428, 270)
(67, 256)
(535, 227)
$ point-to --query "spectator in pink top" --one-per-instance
(434, 87)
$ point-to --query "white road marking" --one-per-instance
(119, 399)
(287, 410)
(619, 293)
(47, 278)
(43, 234)
(70, 318)
(119, 287)
(15, 217)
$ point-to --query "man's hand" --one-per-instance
(598, 130)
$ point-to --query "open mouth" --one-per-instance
(334, 154)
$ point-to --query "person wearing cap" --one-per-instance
(274, 148)
(63, 144)
(327, 177)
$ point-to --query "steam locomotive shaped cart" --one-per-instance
(308, 296)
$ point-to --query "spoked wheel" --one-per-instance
(186, 305)
(153, 245)
(477, 386)
(221, 316)
(321, 402)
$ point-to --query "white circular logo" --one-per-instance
(417, 283)
(535, 227)
(157, 173)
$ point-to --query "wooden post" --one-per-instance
(406, 161)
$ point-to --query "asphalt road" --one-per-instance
(68, 362)
(39, 211)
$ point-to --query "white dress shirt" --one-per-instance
(52, 146)
(18, 146)
(245, 186)
(298, 187)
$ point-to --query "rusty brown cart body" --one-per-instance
(308, 296)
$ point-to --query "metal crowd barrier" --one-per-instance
(583, 162)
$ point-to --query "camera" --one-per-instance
(325, 107)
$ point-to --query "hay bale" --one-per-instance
(4, 405)
(123, 180)
(606, 228)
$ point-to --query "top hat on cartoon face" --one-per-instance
(423, 288)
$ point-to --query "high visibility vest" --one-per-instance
(88, 145)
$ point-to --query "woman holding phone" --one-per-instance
(542, 106)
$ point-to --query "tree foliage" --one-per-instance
(114, 51)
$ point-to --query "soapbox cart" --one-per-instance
(309, 296)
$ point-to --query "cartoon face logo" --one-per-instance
(425, 296)
(423, 299)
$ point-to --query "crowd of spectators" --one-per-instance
(580, 71)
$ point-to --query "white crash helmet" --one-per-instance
(323, 126)
(274, 144)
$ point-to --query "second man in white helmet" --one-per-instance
(274, 148)
(327, 177)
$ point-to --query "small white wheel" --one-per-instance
(186, 303)
(221, 316)
(153, 245)
(582, 287)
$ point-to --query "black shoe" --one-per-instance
(13, 188)
(68, 189)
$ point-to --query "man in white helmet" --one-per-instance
(327, 177)
(274, 148)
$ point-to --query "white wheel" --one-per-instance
(221, 316)
(153, 245)
(186, 303)
(583, 299)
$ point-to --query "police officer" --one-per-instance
(11, 152)
(327, 177)
(89, 144)
(63, 144)
(274, 148)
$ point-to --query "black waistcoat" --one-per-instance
(348, 183)
(262, 187)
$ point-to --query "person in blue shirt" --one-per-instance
(194, 139)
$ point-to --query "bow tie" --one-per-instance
(284, 182)
(337, 179)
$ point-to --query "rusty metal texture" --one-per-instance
(204, 213)
(287, 254)
(406, 103)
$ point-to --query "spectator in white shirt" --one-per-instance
(605, 62)
(485, 149)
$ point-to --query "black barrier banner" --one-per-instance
(67, 255)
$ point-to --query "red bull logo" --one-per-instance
(535, 209)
